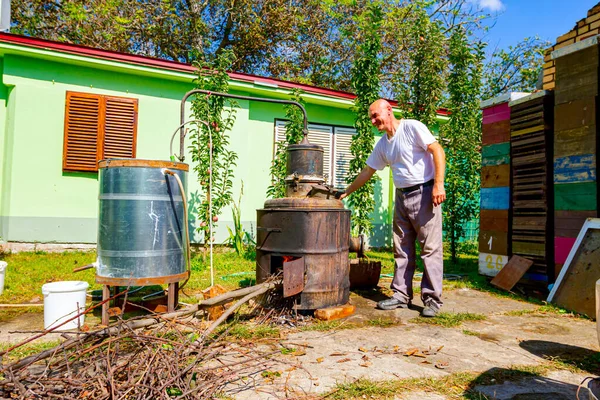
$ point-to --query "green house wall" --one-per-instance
(41, 203)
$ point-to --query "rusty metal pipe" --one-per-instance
(357, 245)
(233, 96)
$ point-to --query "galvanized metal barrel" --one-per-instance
(141, 232)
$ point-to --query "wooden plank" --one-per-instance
(497, 160)
(495, 242)
(574, 196)
(494, 150)
(575, 114)
(497, 132)
(575, 141)
(499, 112)
(529, 248)
(495, 176)
(575, 288)
(576, 168)
(529, 223)
(495, 198)
(569, 223)
(576, 91)
(562, 247)
(491, 264)
(537, 128)
(493, 220)
(511, 273)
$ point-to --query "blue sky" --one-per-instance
(517, 19)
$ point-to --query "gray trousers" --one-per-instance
(415, 218)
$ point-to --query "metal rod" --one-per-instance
(232, 96)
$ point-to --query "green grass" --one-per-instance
(449, 320)
(383, 322)
(470, 333)
(545, 309)
(28, 271)
(323, 326)
(247, 330)
(454, 386)
(27, 349)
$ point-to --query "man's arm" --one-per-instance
(439, 163)
(360, 180)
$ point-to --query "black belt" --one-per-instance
(416, 187)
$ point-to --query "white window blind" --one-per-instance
(317, 134)
(341, 150)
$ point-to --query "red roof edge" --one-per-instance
(146, 61)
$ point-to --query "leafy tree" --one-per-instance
(217, 180)
(516, 69)
(308, 41)
(462, 136)
(420, 86)
(365, 81)
(293, 135)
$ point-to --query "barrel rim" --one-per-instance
(303, 146)
(140, 163)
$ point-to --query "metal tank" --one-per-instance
(306, 234)
(141, 232)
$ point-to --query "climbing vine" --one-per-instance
(213, 77)
(293, 135)
(366, 85)
(462, 136)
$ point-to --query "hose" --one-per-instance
(185, 219)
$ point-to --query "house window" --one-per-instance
(335, 141)
(98, 127)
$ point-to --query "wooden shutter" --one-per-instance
(98, 127)
(342, 140)
(322, 135)
(83, 114)
(120, 127)
(279, 134)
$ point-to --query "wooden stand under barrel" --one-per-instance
(110, 288)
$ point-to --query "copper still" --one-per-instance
(307, 234)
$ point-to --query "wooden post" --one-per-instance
(105, 295)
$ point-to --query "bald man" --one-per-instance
(418, 164)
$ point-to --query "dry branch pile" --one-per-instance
(160, 357)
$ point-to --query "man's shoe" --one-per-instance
(431, 310)
(391, 304)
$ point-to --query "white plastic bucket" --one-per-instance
(3, 265)
(63, 301)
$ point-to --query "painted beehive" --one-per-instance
(494, 244)
(575, 142)
(531, 136)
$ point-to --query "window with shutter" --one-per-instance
(342, 140)
(98, 127)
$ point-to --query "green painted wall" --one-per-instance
(41, 203)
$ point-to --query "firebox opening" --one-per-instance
(276, 264)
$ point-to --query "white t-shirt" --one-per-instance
(406, 154)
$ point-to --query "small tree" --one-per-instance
(462, 136)
(216, 182)
(516, 69)
(420, 86)
(293, 135)
(366, 85)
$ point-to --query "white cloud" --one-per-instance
(491, 5)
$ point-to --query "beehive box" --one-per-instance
(531, 125)
(494, 229)
(575, 142)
